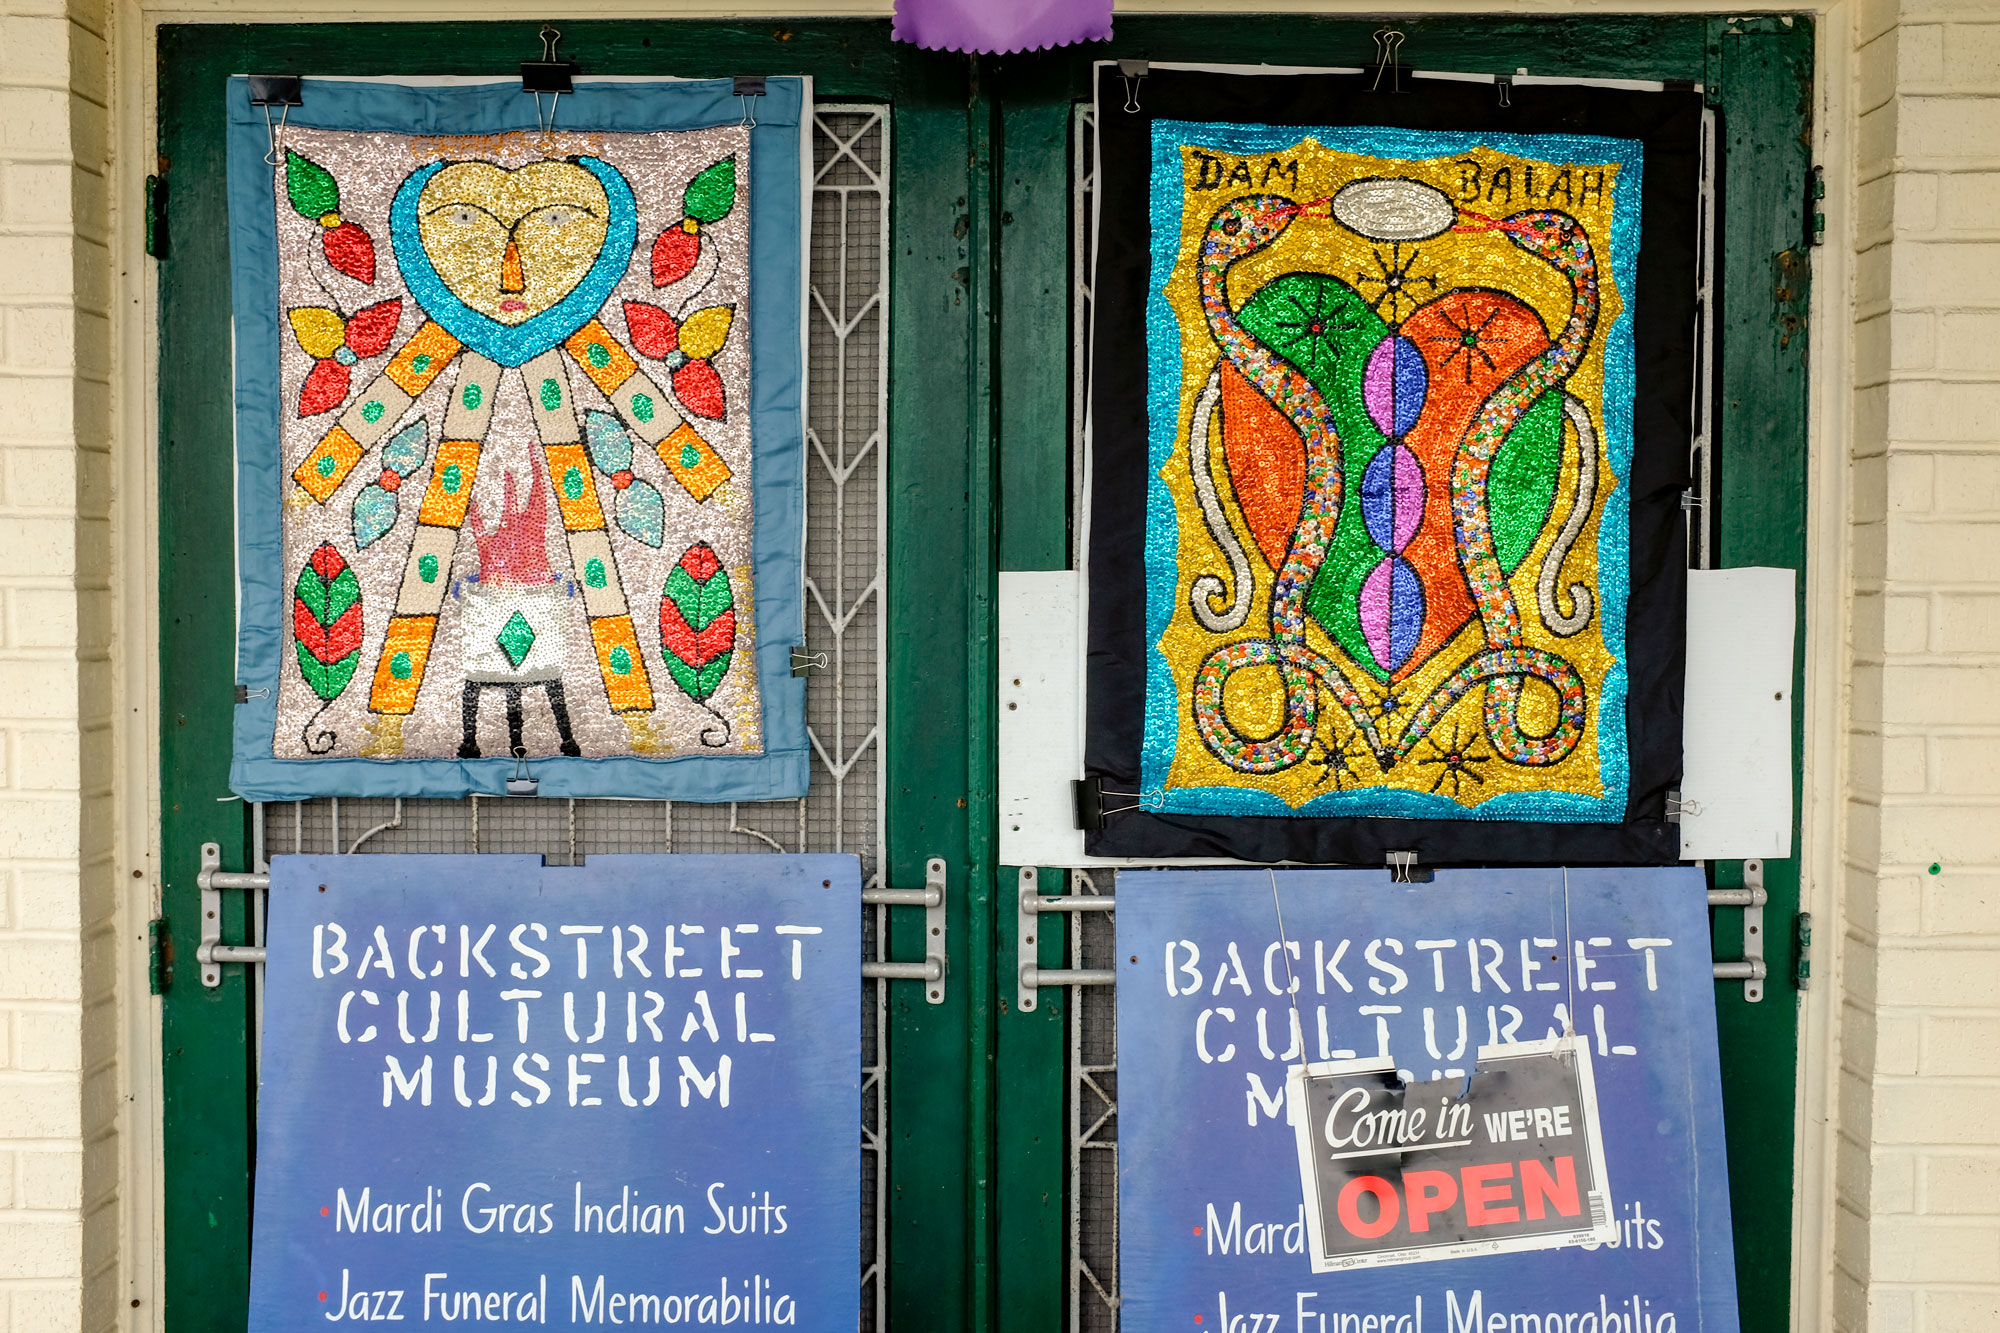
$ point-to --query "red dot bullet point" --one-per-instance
(323, 1210)
(1197, 1230)
(322, 1296)
(1197, 1319)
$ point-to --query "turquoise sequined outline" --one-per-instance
(1163, 376)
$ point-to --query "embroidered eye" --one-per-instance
(464, 216)
(556, 217)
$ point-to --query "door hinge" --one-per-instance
(1816, 206)
(1750, 969)
(159, 956)
(156, 216)
(1802, 951)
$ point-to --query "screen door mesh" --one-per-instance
(846, 413)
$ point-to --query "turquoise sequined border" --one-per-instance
(1163, 375)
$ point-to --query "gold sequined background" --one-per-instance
(369, 167)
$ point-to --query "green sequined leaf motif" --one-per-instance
(310, 187)
(698, 622)
(326, 622)
(712, 193)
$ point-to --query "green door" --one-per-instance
(1058, 1176)
(944, 372)
(902, 764)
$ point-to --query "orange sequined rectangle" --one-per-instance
(327, 465)
(623, 668)
(692, 462)
(576, 493)
(600, 356)
(399, 673)
(451, 484)
(429, 350)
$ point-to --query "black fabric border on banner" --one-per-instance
(1668, 124)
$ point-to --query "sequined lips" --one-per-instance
(512, 262)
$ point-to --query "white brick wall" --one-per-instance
(1918, 1174)
(58, 1015)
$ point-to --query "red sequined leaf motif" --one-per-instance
(654, 332)
(325, 388)
(674, 255)
(370, 330)
(699, 389)
(351, 250)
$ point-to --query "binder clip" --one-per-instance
(1388, 41)
(550, 75)
(283, 91)
(523, 783)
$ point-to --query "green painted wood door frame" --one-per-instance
(1758, 75)
(978, 481)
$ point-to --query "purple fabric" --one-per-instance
(1000, 26)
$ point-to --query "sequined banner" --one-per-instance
(1391, 399)
(517, 462)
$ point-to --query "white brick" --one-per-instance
(1961, 904)
(1966, 623)
(1969, 340)
(39, 1249)
(42, 617)
(50, 1041)
(1961, 1311)
(1939, 977)
(1934, 127)
(45, 760)
(1969, 201)
(1918, 1250)
(50, 1178)
(1966, 1046)
(1909, 483)
(40, 1108)
(1970, 57)
(40, 969)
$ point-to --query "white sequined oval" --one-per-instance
(1394, 209)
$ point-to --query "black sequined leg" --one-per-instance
(515, 745)
(468, 748)
(561, 710)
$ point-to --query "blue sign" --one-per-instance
(499, 1092)
(1216, 1006)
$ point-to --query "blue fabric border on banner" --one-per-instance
(777, 430)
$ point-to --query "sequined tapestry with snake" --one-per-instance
(1390, 395)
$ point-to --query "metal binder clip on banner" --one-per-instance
(548, 76)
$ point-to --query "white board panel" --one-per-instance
(1736, 777)
(1041, 717)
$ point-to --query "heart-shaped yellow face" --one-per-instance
(510, 244)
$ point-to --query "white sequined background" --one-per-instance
(368, 168)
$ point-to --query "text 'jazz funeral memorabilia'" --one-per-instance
(518, 438)
(498, 1092)
(1384, 522)
(1492, 1101)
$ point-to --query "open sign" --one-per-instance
(1507, 1159)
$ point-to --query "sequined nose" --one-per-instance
(510, 269)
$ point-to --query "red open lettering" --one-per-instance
(1386, 1206)
(1489, 1191)
(1537, 1185)
(1430, 1192)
